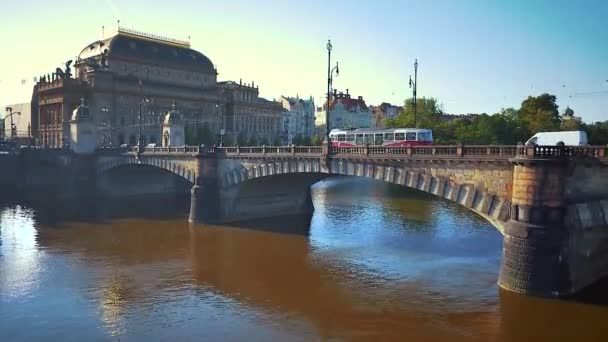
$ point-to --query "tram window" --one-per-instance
(410, 136)
(350, 137)
(399, 136)
(424, 136)
(369, 138)
(360, 140)
(378, 139)
(389, 136)
(341, 137)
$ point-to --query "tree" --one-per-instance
(316, 140)
(428, 114)
(540, 113)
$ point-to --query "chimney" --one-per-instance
(253, 84)
(335, 92)
(346, 91)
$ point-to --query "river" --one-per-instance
(376, 262)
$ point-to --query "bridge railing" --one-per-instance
(491, 151)
(567, 152)
(369, 151)
(272, 150)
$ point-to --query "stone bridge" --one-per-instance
(549, 203)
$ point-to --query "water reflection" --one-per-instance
(402, 265)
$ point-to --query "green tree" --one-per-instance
(540, 113)
(428, 114)
(316, 140)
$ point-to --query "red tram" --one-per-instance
(381, 137)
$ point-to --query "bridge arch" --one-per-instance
(178, 167)
(492, 207)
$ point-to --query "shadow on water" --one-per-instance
(287, 224)
(51, 212)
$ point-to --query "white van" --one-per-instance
(569, 138)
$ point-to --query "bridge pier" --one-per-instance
(205, 194)
(536, 238)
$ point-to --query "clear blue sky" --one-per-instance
(474, 55)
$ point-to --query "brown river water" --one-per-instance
(375, 263)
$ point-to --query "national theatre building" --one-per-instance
(131, 73)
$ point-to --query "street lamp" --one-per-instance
(143, 100)
(107, 124)
(330, 72)
(218, 106)
(10, 114)
(413, 86)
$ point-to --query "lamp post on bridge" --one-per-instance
(219, 107)
(10, 114)
(330, 72)
(413, 85)
(143, 100)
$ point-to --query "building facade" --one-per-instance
(130, 80)
(382, 112)
(345, 112)
(298, 118)
(247, 117)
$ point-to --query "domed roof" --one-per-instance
(149, 49)
(81, 112)
(173, 117)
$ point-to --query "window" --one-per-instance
(410, 136)
(369, 138)
(360, 139)
(341, 137)
(425, 136)
(378, 139)
(399, 136)
(389, 136)
(350, 137)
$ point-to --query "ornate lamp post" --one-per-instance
(330, 72)
(413, 86)
(142, 102)
(107, 125)
(10, 114)
(219, 107)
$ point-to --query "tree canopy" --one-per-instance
(509, 126)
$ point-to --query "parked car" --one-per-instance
(152, 145)
(569, 138)
(124, 146)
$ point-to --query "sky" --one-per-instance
(475, 56)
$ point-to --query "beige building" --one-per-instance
(130, 72)
(248, 116)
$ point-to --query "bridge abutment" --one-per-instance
(534, 260)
